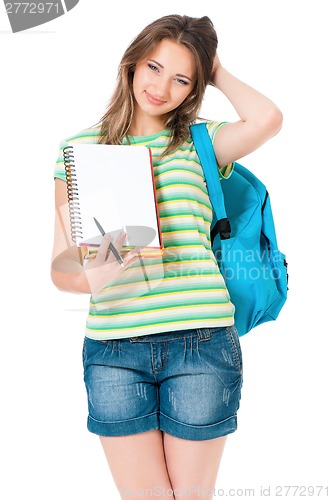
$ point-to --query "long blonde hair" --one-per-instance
(196, 34)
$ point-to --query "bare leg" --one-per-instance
(137, 463)
(193, 464)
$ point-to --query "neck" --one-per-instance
(146, 125)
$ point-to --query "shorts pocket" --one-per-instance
(84, 351)
(234, 341)
(94, 351)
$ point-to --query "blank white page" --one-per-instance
(116, 186)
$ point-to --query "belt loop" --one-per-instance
(203, 334)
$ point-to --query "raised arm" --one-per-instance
(260, 118)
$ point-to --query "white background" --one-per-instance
(56, 80)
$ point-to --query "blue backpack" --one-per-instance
(243, 239)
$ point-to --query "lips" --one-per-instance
(154, 100)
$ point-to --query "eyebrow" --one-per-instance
(177, 74)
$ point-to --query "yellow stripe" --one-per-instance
(181, 172)
(184, 216)
(163, 279)
(177, 202)
(183, 231)
(154, 298)
(201, 308)
(177, 185)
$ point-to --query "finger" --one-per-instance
(129, 261)
(134, 259)
(117, 243)
(121, 237)
(135, 251)
(103, 248)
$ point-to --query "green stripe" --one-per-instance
(161, 293)
(160, 307)
(168, 287)
(165, 321)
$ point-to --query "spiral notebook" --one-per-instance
(115, 185)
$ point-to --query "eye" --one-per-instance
(182, 82)
(153, 67)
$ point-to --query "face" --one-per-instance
(164, 79)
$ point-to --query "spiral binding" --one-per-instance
(72, 190)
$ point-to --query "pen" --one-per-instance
(111, 246)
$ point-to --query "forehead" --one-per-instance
(174, 57)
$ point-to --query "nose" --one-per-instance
(162, 88)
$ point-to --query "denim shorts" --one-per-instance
(186, 383)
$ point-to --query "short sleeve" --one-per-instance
(59, 169)
(224, 171)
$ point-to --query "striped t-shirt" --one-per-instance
(180, 287)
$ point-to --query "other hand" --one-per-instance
(100, 271)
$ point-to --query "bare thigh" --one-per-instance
(157, 462)
(193, 465)
(137, 462)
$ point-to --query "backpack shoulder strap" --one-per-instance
(207, 157)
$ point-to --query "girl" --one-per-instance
(163, 370)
